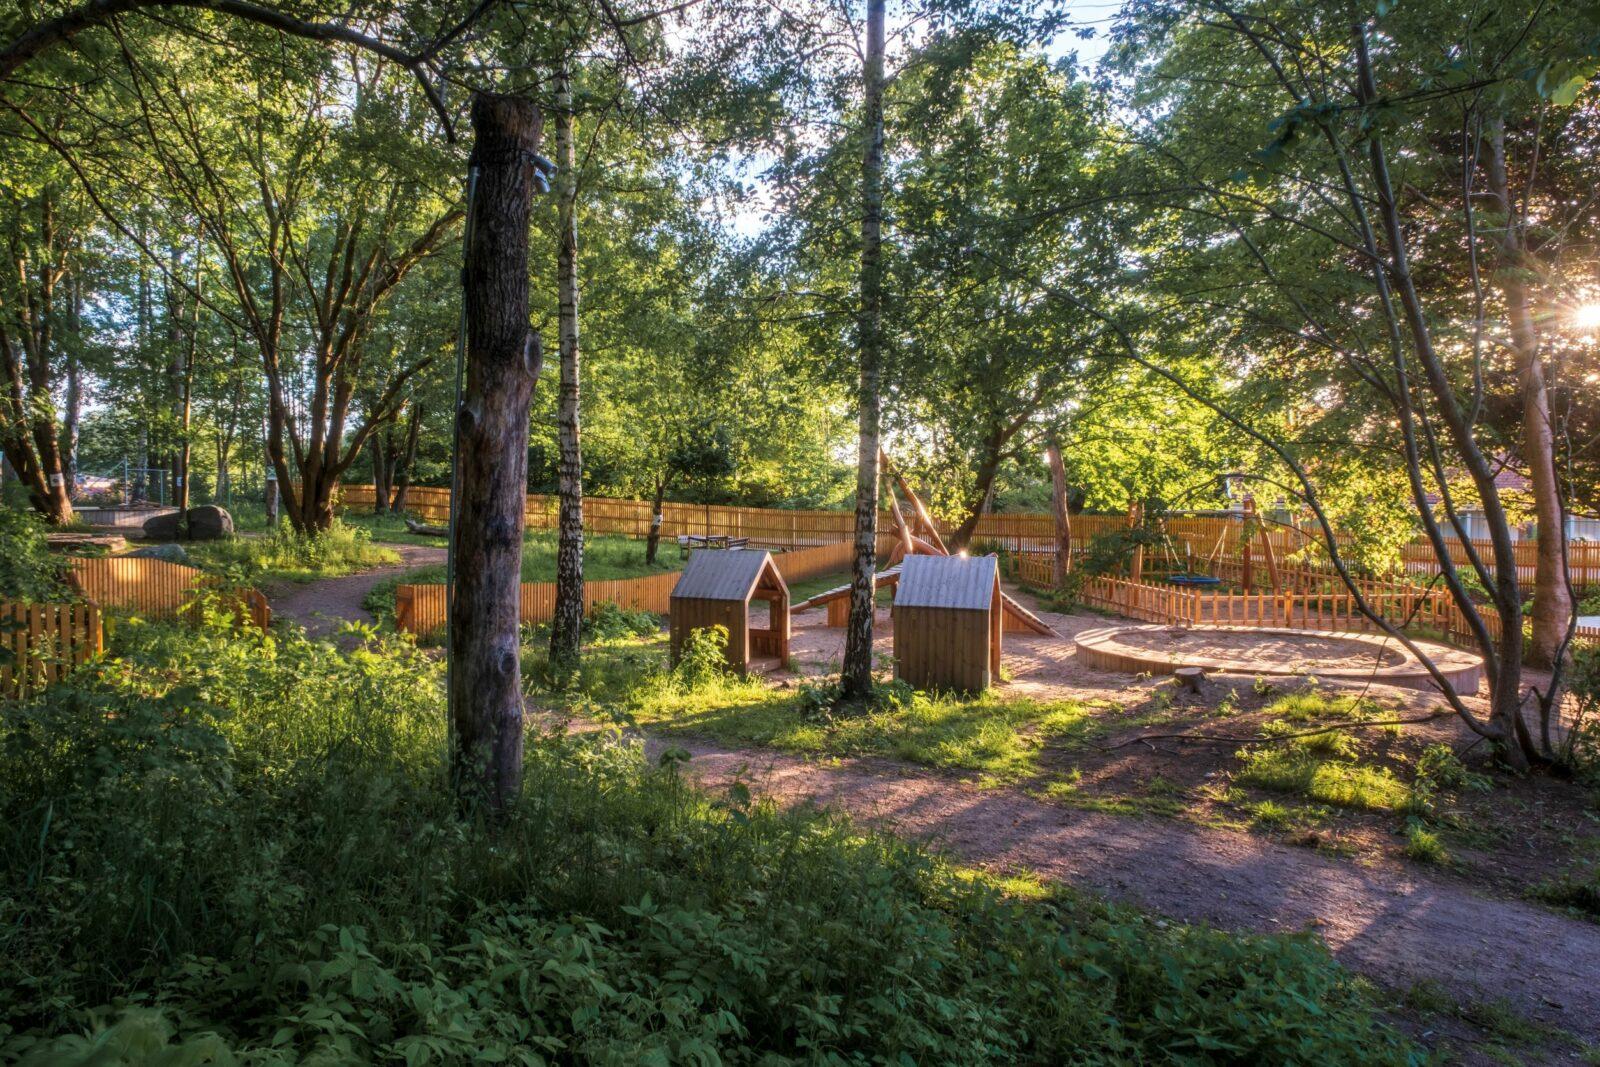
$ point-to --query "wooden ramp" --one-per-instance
(1017, 617)
(1020, 618)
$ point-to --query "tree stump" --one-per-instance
(1189, 678)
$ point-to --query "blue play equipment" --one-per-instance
(1193, 579)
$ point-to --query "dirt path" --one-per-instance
(1395, 927)
(323, 606)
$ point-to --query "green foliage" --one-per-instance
(1580, 749)
(1423, 844)
(283, 554)
(220, 845)
(611, 622)
(1578, 891)
(1299, 770)
(703, 657)
(28, 570)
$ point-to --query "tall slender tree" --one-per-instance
(856, 673)
(567, 623)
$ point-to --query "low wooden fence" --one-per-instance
(157, 588)
(1203, 537)
(1399, 603)
(423, 609)
(41, 643)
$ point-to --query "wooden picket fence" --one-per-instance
(423, 609)
(1401, 604)
(1202, 537)
(157, 588)
(41, 643)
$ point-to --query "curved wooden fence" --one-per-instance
(422, 609)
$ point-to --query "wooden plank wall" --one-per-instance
(943, 648)
(42, 642)
(155, 587)
(422, 609)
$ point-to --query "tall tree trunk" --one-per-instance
(1058, 506)
(1552, 597)
(983, 491)
(567, 623)
(856, 675)
(407, 461)
(1504, 654)
(657, 502)
(72, 417)
(382, 465)
(503, 360)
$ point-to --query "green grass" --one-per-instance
(235, 847)
(993, 737)
(389, 528)
(1298, 771)
(1577, 891)
(283, 555)
(1424, 845)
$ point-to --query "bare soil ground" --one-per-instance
(325, 605)
(1398, 927)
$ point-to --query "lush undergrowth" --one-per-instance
(243, 847)
(283, 555)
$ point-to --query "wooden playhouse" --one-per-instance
(717, 588)
(947, 622)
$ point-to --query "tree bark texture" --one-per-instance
(567, 622)
(1552, 597)
(856, 675)
(503, 360)
(1063, 517)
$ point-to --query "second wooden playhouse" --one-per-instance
(717, 588)
(947, 622)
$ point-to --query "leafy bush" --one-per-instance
(28, 570)
(612, 622)
(218, 846)
(284, 554)
(703, 656)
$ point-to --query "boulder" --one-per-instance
(169, 553)
(162, 526)
(209, 522)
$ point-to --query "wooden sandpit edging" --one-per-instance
(1101, 649)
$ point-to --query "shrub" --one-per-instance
(219, 846)
(703, 656)
(28, 570)
(612, 622)
(284, 554)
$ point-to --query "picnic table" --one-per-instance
(688, 541)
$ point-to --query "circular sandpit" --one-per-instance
(1346, 657)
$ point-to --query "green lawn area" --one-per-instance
(994, 737)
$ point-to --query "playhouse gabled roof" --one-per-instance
(722, 574)
(947, 582)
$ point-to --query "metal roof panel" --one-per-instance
(721, 573)
(967, 583)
